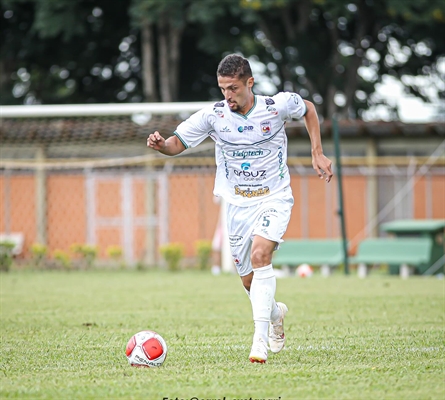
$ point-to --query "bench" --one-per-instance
(410, 254)
(325, 253)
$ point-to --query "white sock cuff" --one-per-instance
(263, 272)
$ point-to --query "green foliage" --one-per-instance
(87, 253)
(65, 51)
(116, 253)
(6, 256)
(60, 17)
(39, 252)
(63, 258)
(347, 338)
(172, 254)
(204, 253)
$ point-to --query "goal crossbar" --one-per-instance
(97, 110)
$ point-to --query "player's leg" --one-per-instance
(277, 312)
(262, 292)
(241, 222)
(270, 226)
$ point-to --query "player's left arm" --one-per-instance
(320, 162)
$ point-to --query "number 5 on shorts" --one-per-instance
(266, 222)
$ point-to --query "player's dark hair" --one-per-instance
(234, 66)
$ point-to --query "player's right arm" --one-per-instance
(170, 147)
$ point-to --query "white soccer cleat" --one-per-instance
(276, 331)
(258, 353)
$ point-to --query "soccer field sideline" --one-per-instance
(64, 336)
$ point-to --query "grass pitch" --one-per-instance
(64, 335)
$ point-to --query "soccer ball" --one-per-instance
(304, 271)
(146, 349)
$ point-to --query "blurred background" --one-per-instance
(79, 180)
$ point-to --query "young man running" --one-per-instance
(253, 178)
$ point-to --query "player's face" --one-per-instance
(238, 93)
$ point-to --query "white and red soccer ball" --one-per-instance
(304, 271)
(146, 349)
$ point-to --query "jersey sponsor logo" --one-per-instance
(235, 240)
(272, 110)
(225, 129)
(218, 112)
(266, 214)
(296, 98)
(249, 193)
(280, 165)
(249, 175)
(269, 101)
(266, 128)
(245, 128)
(226, 167)
(248, 153)
(219, 104)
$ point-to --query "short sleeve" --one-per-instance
(194, 130)
(294, 105)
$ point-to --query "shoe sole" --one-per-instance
(257, 360)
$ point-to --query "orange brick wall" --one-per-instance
(21, 202)
(66, 213)
(192, 212)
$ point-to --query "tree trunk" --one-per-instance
(363, 19)
(304, 8)
(331, 107)
(164, 60)
(175, 55)
(148, 67)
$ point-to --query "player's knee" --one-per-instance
(260, 258)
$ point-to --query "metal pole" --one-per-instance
(340, 194)
(40, 197)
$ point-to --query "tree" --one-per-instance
(66, 52)
(165, 21)
(337, 50)
(332, 52)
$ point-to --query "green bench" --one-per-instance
(411, 254)
(323, 253)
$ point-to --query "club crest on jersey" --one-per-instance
(236, 260)
(269, 101)
(220, 104)
(266, 128)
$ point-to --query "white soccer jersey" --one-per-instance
(251, 149)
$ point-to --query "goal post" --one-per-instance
(47, 144)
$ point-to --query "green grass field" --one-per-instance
(64, 336)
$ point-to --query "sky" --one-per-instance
(411, 109)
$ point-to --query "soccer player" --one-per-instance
(253, 178)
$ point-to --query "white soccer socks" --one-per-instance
(276, 312)
(262, 293)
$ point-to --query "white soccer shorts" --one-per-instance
(268, 219)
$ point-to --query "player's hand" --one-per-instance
(322, 166)
(156, 141)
